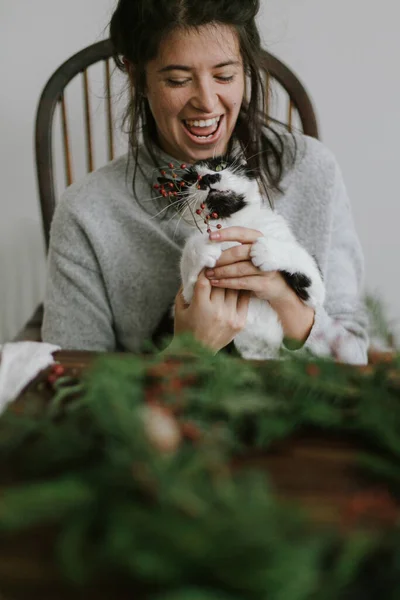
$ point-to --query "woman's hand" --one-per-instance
(214, 316)
(235, 270)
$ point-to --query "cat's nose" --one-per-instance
(210, 178)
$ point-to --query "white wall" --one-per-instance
(345, 52)
(35, 38)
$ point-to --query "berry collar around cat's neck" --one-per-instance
(175, 178)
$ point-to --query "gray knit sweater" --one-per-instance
(113, 264)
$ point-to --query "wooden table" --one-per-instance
(318, 472)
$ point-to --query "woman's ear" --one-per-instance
(131, 71)
(129, 68)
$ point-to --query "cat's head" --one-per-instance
(213, 190)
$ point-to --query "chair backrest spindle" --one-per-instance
(110, 124)
(88, 122)
(290, 115)
(67, 147)
(267, 98)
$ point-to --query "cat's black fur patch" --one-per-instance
(225, 204)
(298, 282)
(208, 180)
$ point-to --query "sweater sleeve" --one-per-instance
(340, 326)
(77, 313)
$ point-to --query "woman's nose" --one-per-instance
(205, 98)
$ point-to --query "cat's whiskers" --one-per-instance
(190, 203)
(169, 205)
(182, 215)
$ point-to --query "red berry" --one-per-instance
(59, 370)
(198, 211)
(183, 166)
(191, 431)
(175, 193)
(202, 206)
(208, 230)
(171, 193)
(156, 186)
(214, 215)
(199, 177)
(199, 187)
(163, 173)
(171, 185)
(219, 226)
(312, 370)
(183, 183)
(171, 165)
(174, 175)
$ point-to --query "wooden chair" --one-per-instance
(296, 110)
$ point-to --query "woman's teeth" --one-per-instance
(194, 125)
(202, 123)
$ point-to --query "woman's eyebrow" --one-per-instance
(186, 68)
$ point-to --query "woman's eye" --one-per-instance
(225, 78)
(176, 82)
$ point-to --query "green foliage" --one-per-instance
(380, 327)
(182, 521)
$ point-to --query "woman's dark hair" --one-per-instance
(138, 26)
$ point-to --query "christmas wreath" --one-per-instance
(132, 467)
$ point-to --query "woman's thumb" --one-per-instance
(179, 299)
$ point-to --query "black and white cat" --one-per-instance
(215, 193)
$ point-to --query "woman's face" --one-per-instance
(195, 88)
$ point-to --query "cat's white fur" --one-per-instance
(277, 249)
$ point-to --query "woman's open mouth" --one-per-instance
(203, 131)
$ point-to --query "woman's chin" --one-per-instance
(192, 152)
(196, 154)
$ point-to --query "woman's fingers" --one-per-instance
(252, 283)
(204, 292)
(235, 254)
(179, 299)
(239, 269)
(202, 289)
(243, 304)
(244, 235)
(231, 298)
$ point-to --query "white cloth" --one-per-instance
(20, 362)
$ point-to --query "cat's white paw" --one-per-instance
(269, 254)
(212, 252)
(197, 256)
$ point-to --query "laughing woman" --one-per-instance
(113, 269)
